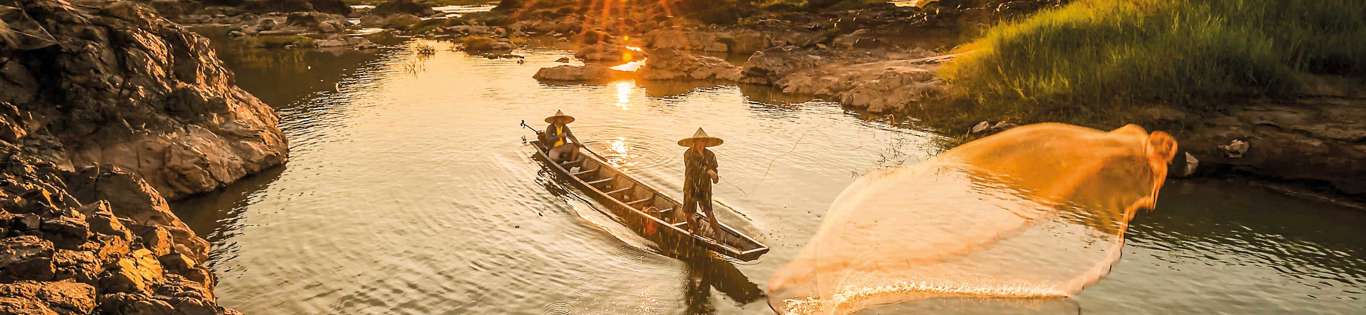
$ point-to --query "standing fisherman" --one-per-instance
(699, 175)
(557, 135)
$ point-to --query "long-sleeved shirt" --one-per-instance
(558, 136)
(695, 178)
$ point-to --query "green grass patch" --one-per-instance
(1098, 59)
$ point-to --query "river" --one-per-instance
(409, 190)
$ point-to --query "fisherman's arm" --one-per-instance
(712, 169)
(570, 134)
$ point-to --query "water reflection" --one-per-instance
(624, 90)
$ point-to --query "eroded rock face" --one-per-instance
(80, 257)
(1313, 140)
(106, 110)
(115, 84)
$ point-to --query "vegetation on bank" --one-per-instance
(1093, 60)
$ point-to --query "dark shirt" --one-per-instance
(551, 136)
(695, 178)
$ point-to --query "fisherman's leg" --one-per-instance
(555, 153)
(689, 208)
(574, 154)
(705, 202)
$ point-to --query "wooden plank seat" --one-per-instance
(580, 173)
(636, 203)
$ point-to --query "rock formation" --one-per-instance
(112, 83)
(107, 110)
(63, 253)
(1314, 140)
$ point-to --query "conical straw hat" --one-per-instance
(560, 115)
(701, 135)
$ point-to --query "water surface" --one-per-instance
(409, 191)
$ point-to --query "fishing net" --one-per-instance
(1035, 211)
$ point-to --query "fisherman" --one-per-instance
(557, 134)
(699, 174)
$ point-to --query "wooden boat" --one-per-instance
(644, 209)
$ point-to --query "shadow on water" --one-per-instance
(231, 204)
(705, 273)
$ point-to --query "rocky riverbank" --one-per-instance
(876, 58)
(861, 57)
(106, 111)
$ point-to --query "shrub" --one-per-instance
(1093, 53)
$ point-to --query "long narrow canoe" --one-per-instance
(644, 209)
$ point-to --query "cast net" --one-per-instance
(1033, 212)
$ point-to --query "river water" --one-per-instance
(409, 190)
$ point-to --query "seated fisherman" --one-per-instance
(558, 137)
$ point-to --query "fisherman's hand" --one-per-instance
(714, 178)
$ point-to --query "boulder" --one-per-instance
(30, 297)
(135, 274)
(770, 65)
(133, 303)
(132, 198)
(676, 65)
(571, 73)
(327, 6)
(403, 7)
(81, 266)
(26, 257)
(158, 240)
(616, 54)
(66, 232)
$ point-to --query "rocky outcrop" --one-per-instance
(107, 109)
(740, 41)
(585, 73)
(876, 82)
(201, 9)
(1316, 140)
(112, 83)
(403, 7)
(65, 253)
(676, 65)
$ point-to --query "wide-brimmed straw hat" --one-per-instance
(559, 115)
(701, 136)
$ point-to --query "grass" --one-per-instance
(1097, 58)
